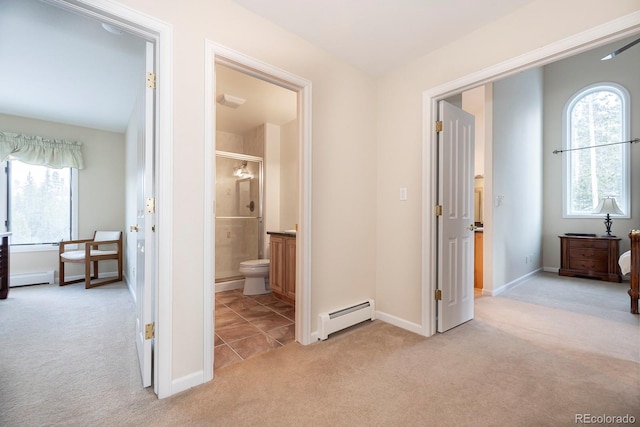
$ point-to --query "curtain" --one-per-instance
(36, 150)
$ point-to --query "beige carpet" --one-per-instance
(524, 360)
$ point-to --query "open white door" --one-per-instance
(145, 272)
(456, 224)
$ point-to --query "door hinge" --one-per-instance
(439, 126)
(149, 331)
(151, 205)
(438, 210)
(151, 80)
(438, 295)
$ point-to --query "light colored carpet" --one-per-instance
(68, 358)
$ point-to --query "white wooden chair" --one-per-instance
(105, 245)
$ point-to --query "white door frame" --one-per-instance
(594, 37)
(216, 53)
(161, 34)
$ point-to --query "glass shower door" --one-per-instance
(238, 213)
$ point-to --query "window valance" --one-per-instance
(36, 150)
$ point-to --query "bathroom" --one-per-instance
(256, 201)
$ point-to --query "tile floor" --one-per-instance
(250, 325)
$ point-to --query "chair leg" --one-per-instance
(87, 274)
(61, 273)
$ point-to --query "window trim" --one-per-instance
(566, 138)
(43, 247)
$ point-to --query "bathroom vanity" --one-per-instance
(282, 273)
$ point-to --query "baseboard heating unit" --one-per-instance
(345, 317)
(35, 278)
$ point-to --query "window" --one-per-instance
(595, 116)
(40, 206)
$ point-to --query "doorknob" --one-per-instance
(133, 228)
(472, 227)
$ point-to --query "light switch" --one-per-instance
(403, 193)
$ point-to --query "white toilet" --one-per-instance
(256, 273)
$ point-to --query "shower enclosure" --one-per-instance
(238, 224)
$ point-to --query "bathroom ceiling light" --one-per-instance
(242, 171)
(113, 30)
(230, 100)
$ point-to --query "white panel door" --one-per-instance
(455, 226)
(145, 271)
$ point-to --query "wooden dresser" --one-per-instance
(4, 265)
(593, 257)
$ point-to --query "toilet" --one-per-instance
(256, 273)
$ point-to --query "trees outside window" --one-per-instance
(597, 115)
(39, 203)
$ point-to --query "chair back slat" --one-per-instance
(102, 236)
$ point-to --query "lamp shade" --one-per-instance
(608, 205)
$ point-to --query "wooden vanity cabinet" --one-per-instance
(282, 270)
(478, 260)
(290, 268)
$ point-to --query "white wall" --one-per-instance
(100, 187)
(365, 243)
(344, 219)
(399, 130)
(517, 178)
(289, 175)
(562, 80)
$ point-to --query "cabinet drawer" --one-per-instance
(589, 253)
(597, 265)
(581, 243)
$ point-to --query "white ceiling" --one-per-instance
(264, 102)
(379, 35)
(62, 67)
(59, 66)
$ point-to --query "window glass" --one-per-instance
(39, 204)
(596, 117)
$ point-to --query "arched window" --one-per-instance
(595, 116)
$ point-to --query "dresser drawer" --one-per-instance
(593, 244)
(588, 253)
(583, 264)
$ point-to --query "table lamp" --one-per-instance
(608, 206)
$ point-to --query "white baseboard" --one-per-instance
(32, 278)
(551, 269)
(229, 286)
(507, 286)
(187, 382)
(387, 318)
(401, 323)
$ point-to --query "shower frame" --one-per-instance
(260, 162)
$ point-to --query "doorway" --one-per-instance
(526, 62)
(158, 136)
(217, 55)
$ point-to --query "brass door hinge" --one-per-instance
(149, 331)
(151, 205)
(438, 295)
(438, 210)
(439, 126)
(151, 80)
